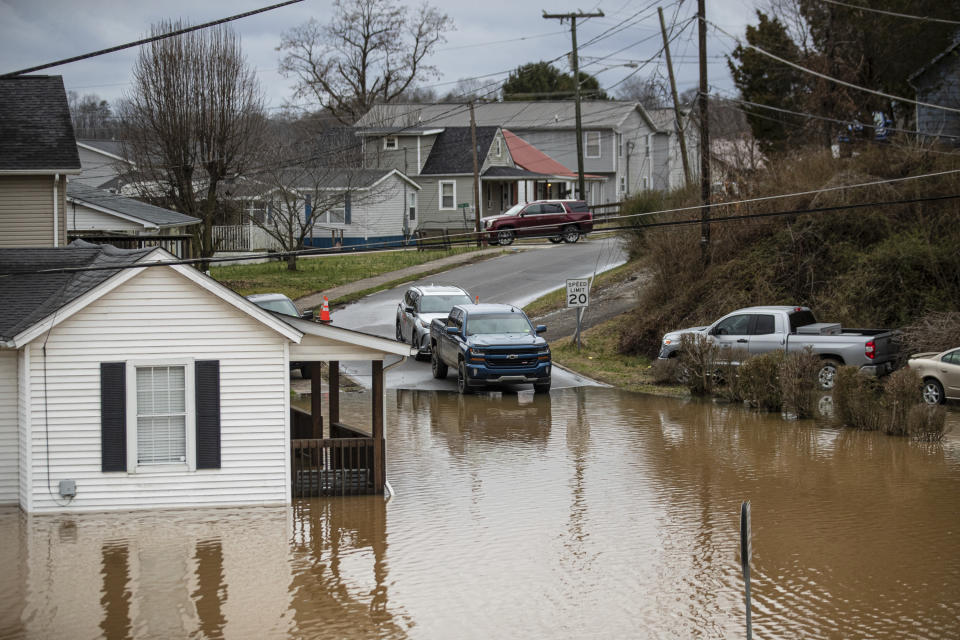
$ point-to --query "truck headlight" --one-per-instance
(545, 351)
(475, 351)
(423, 323)
(666, 341)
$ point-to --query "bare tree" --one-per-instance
(91, 116)
(194, 113)
(651, 92)
(371, 51)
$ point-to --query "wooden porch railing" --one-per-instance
(334, 467)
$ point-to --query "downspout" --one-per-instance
(629, 152)
(56, 210)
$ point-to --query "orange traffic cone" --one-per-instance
(325, 311)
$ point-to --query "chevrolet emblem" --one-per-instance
(512, 356)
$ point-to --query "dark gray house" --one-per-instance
(37, 153)
(938, 83)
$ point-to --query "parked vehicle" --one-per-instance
(558, 220)
(762, 329)
(490, 344)
(940, 373)
(279, 303)
(419, 307)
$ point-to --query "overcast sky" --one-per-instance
(491, 37)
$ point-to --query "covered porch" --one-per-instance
(327, 456)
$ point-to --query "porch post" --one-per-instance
(333, 381)
(379, 464)
(316, 395)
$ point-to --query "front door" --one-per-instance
(732, 333)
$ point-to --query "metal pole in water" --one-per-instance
(745, 558)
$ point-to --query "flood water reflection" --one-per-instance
(585, 513)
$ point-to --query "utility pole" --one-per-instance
(681, 138)
(704, 139)
(575, 64)
(476, 176)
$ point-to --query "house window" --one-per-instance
(161, 416)
(337, 215)
(412, 204)
(390, 142)
(620, 145)
(448, 194)
(623, 184)
(499, 147)
(592, 143)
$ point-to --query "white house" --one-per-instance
(125, 385)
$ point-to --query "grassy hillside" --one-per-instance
(875, 266)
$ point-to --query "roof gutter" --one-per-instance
(38, 172)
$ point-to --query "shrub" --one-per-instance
(798, 382)
(857, 400)
(727, 379)
(665, 371)
(927, 422)
(759, 383)
(901, 392)
(937, 331)
(698, 363)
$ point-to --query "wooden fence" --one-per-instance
(333, 467)
(243, 237)
(179, 245)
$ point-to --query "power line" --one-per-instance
(891, 13)
(469, 237)
(844, 83)
(148, 40)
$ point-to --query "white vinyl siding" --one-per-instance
(26, 211)
(448, 195)
(9, 435)
(82, 218)
(161, 316)
(374, 213)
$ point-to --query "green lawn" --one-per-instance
(318, 274)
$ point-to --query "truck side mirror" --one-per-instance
(408, 309)
(541, 328)
(453, 330)
(307, 315)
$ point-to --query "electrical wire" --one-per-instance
(137, 43)
(891, 13)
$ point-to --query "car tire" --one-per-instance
(399, 332)
(933, 391)
(463, 388)
(571, 234)
(505, 237)
(828, 372)
(306, 372)
(437, 367)
(541, 387)
(556, 239)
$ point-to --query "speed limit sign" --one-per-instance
(578, 293)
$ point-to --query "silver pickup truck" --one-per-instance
(762, 329)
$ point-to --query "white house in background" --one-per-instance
(92, 210)
(147, 386)
(102, 163)
(349, 207)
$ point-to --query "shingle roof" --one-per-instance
(451, 150)
(307, 179)
(513, 172)
(28, 298)
(111, 147)
(35, 129)
(128, 206)
(516, 115)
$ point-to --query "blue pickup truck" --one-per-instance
(489, 344)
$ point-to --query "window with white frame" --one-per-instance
(623, 184)
(620, 145)
(499, 148)
(591, 140)
(412, 204)
(448, 194)
(162, 418)
(390, 142)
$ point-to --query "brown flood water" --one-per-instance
(589, 513)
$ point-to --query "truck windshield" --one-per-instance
(801, 319)
(498, 323)
(442, 304)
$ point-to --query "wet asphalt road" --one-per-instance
(521, 276)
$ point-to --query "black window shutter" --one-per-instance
(347, 214)
(113, 416)
(207, 382)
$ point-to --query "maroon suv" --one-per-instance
(558, 220)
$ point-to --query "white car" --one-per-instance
(420, 305)
(940, 373)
